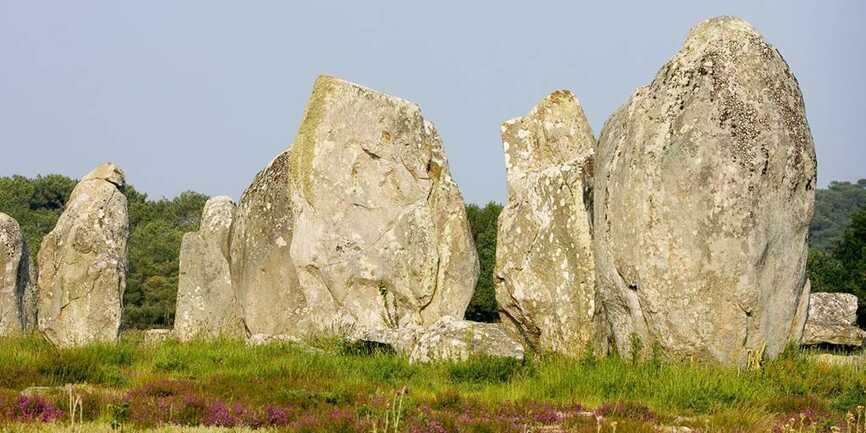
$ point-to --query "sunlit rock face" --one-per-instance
(704, 189)
(832, 320)
(380, 235)
(14, 275)
(83, 263)
(263, 272)
(206, 304)
(545, 271)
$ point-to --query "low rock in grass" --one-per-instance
(831, 320)
(446, 339)
(449, 339)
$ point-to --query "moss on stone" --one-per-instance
(305, 142)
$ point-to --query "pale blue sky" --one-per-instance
(200, 95)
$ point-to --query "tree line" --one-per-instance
(837, 257)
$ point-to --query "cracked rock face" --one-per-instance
(380, 236)
(704, 189)
(206, 305)
(545, 271)
(83, 263)
(263, 273)
(14, 276)
(832, 320)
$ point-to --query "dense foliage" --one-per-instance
(483, 222)
(156, 228)
(833, 209)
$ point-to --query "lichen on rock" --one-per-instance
(704, 191)
(545, 271)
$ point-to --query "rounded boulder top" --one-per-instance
(108, 172)
(218, 213)
(717, 27)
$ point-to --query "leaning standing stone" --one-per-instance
(263, 274)
(704, 190)
(83, 263)
(545, 272)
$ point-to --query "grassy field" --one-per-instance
(329, 386)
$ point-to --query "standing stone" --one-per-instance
(82, 263)
(263, 273)
(13, 276)
(545, 271)
(206, 305)
(832, 320)
(704, 190)
(381, 237)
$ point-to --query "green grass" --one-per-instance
(285, 374)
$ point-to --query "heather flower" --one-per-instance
(36, 409)
(276, 417)
(218, 414)
(433, 426)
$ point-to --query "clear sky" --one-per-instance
(200, 95)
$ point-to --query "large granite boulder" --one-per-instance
(545, 271)
(704, 190)
(206, 305)
(832, 320)
(380, 235)
(83, 263)
(263, 273)
(14, 275)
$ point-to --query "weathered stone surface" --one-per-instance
(206, 304)
(83, 263)
(831, 320)
(545, 271)
(263, 273)
(13, 276)
(452, 339)
(704, 189)
(380, 235)
(446, 339)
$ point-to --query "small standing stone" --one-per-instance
(206, 304)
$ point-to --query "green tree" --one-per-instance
(844, 268)
(833, 209)
(482, 221)
(35, 203)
